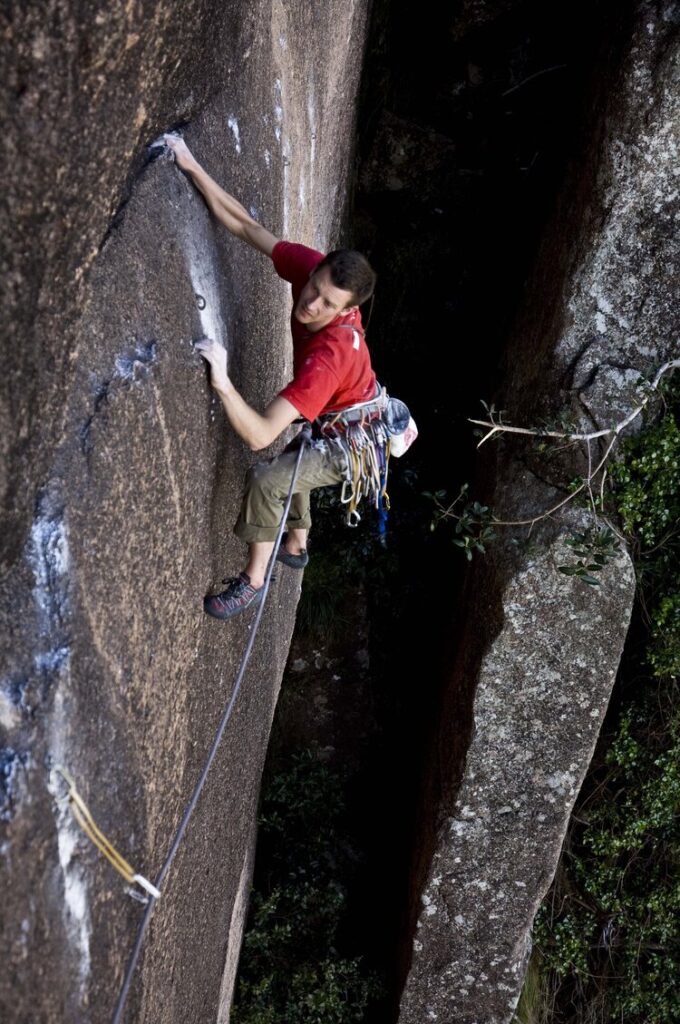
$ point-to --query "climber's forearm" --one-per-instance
(244, 419)
(230, 212)
(227, 209)
(256, 429)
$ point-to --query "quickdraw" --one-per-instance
(360, 435)
(83, 817)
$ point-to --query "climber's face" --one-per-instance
(320, 301)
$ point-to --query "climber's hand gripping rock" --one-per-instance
(181, 152)
(258, 430)
(216, 356)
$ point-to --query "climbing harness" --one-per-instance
(366, 434)
(359, 433)
(86, 821)
(83, 817)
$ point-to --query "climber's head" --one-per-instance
(343, 279)
(351, 272)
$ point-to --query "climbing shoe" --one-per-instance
(238, 596)
(292, 561)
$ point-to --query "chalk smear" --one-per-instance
(233, 125)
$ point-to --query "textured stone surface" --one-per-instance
(121, 478)
(543, 650)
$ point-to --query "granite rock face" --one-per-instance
(540, 652)
(121, 478)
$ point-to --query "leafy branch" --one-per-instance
(594, 549)
(473, 529)
(474, 523)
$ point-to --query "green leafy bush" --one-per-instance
(616, 929)
(664, 650)
(647, 481)
(327, 992)
(292, 970)
(594, 549)
(647, 495)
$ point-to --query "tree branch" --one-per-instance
(613, 432)
(498, 427)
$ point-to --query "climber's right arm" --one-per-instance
(228, 210)
(258, 430)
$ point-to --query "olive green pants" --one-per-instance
(267, 485)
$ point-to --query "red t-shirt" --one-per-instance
(332, 368)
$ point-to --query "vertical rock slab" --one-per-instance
(540, 652)
(122, 478)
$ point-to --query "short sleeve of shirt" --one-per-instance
(313, 387)
(294, 262)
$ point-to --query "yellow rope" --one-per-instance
(83, 817)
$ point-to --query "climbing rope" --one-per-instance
(127, 980)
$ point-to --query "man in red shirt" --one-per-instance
(332, 371)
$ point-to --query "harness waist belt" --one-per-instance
(362, 411)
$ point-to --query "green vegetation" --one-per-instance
(472, 530)
(345, 561)
(646, 484)
(594, 548)
(647, 493)
(607, 939)
(293, 970)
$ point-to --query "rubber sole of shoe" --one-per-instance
(292, 561)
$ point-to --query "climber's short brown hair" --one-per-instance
(350, 271)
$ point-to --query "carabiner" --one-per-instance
(345, 484)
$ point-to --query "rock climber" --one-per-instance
(332, 371)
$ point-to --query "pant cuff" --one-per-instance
(251, 534)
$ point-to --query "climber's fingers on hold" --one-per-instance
(204, 345)
(178, 148)
(212, 352)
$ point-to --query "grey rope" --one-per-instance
(120, 1005)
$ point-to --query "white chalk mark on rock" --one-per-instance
(233, 125)
(171, 461)
(204, 283)
(76, 912)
